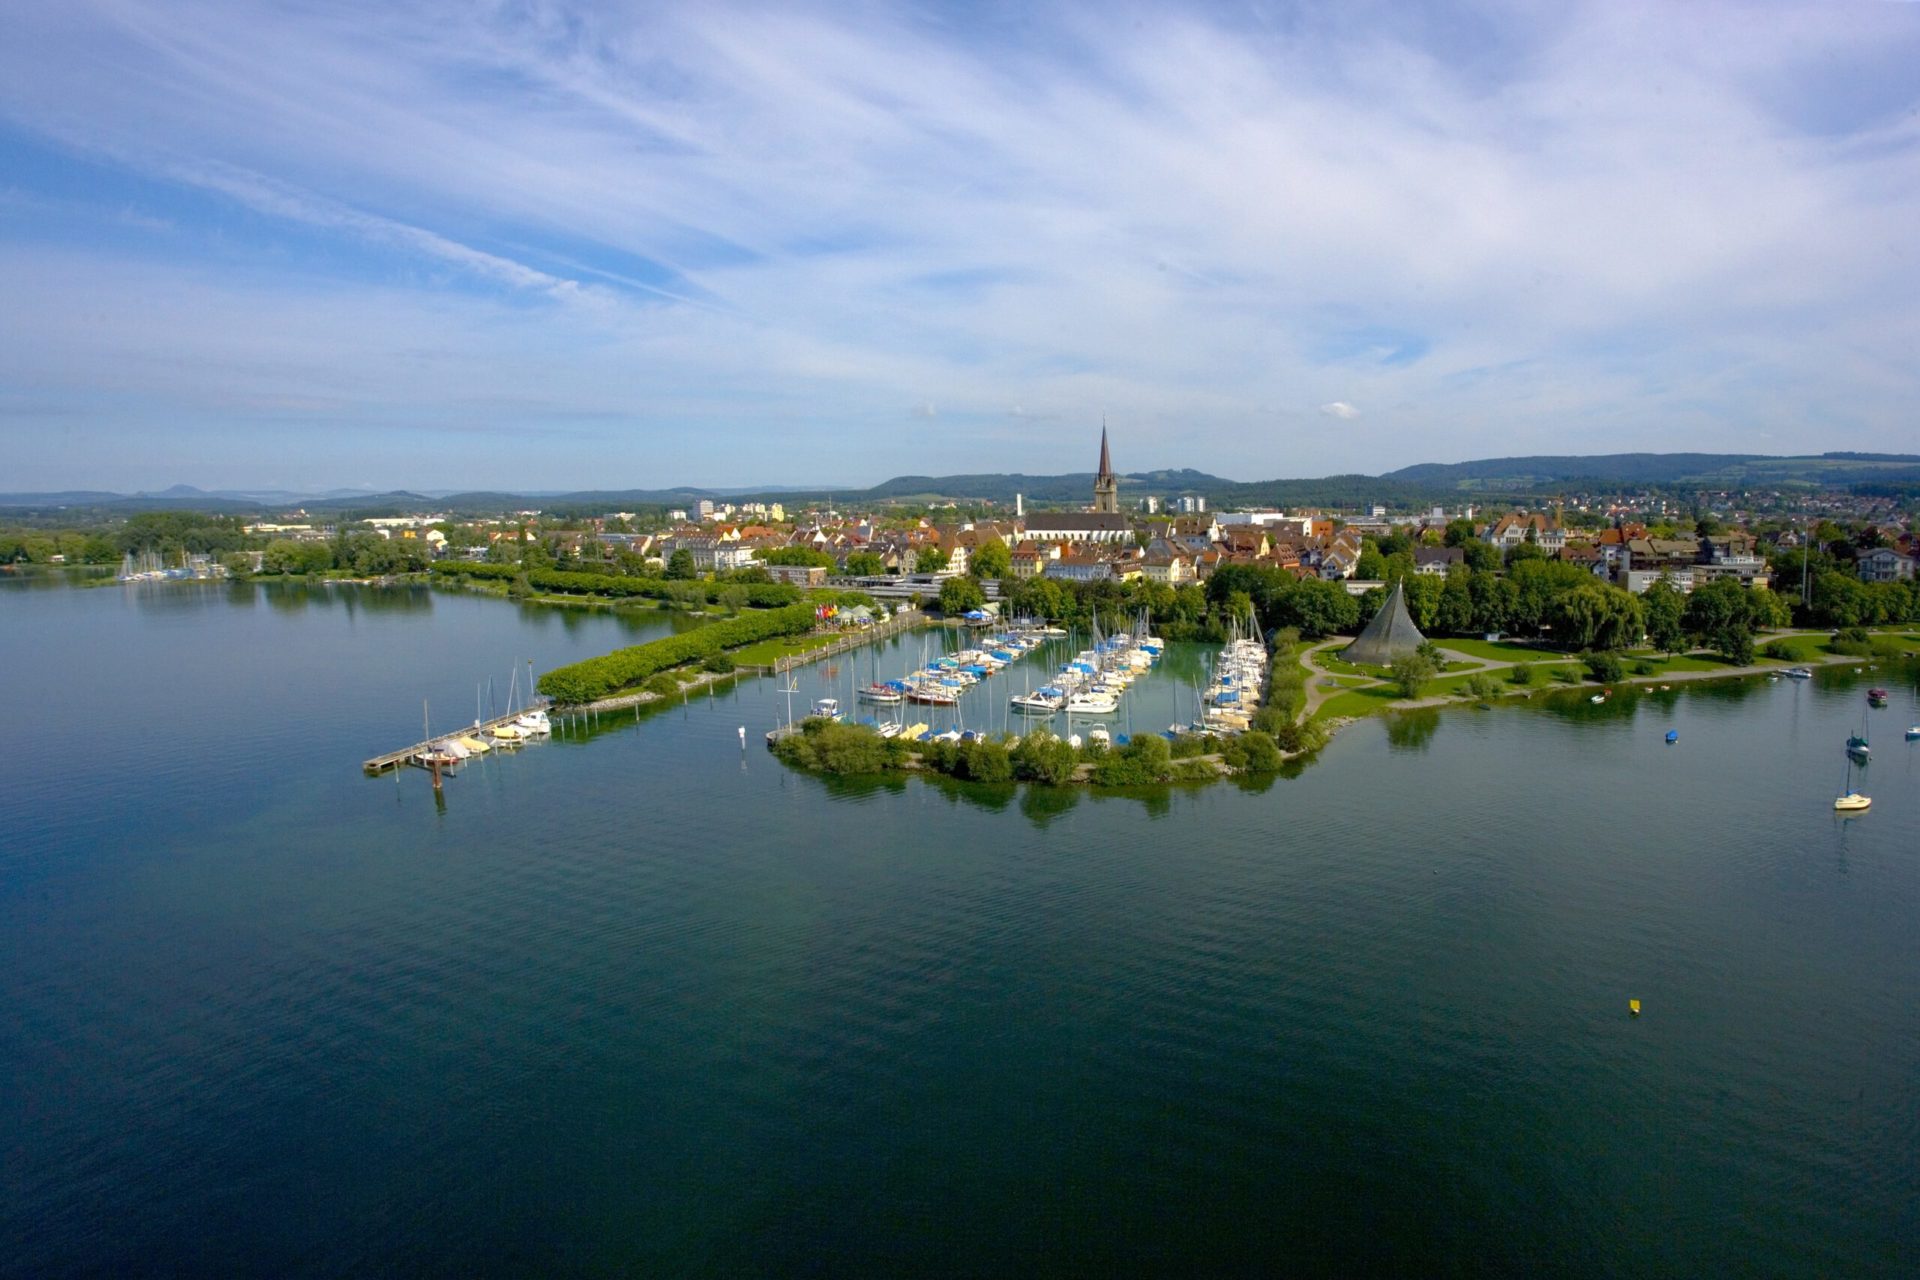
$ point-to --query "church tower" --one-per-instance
(1106, 485)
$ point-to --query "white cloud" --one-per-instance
(1605, 228)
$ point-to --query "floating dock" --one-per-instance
(480, 728)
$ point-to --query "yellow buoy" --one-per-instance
(1633, 1007)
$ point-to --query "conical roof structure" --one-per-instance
(1390, 635)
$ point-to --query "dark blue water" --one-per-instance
(639, 1001)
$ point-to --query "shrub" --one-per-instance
(1482, 686)
(831, 747)
(1567, 675)
(718, 662)
(662, 685)
(1273, 715)
(1306, 735)
(1143, 761)
(983, 760)
(1605, 666)
(1520, 673)
(1252, 752)
(1188, 745)
(1645, 668)
(1042, 757)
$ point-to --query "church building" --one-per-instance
(1102, 522)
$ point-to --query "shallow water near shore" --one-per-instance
(638, 999)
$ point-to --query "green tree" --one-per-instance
(1593, 616)
(1454, 614)
(958, 595)
(1411, 673)
(1665, 609)
(1317, 608)
(680, 565)
(929, 560)
(1720, 615)
(992, 560)
(866, 564)
(806, 556)
(1482, 556)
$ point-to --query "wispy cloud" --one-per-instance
(1603, 225)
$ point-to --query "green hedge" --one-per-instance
(760, 595)
(597, 677)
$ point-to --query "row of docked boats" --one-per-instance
(1239, 677)
(505, 735)
(1093, 681)
(940, 682)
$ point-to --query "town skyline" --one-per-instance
(425, 245)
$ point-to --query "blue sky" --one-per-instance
(558, 245)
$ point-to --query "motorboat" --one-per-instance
(1797, 673)
(1913, 733)
(1093, 703)
(1877, 697)
(475, 746)
(1852, 802)
(885, 692)
(1044, 701)
(1099, 736)
(826, 709)
(534, 722)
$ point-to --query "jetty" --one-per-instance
(408, 755)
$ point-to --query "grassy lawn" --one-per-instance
(1358, 702)
(1500, 650)
(1340, 666)
(1679, 662)
(768, 652)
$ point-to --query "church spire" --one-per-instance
(1106, 485)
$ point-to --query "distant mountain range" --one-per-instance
(1486, 478)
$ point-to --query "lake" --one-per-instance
(638, 1000)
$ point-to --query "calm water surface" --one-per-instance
(639, 1001)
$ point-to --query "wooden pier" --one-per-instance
(479, 729)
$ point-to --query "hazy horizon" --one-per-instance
(294, 248)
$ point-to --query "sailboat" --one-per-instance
(1857, 748)
(1852, 801)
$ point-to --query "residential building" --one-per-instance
(1884, 564)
